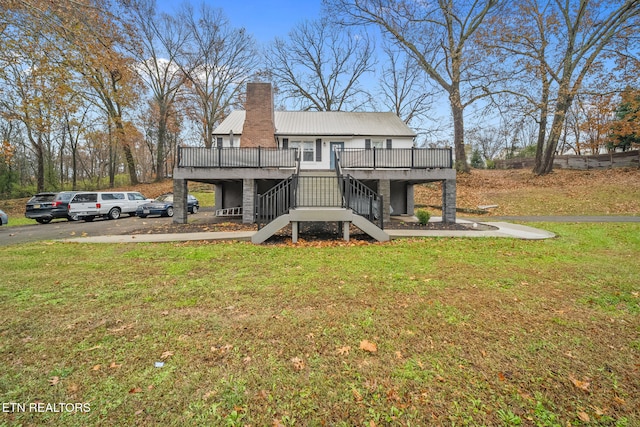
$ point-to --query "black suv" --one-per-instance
(43, 207)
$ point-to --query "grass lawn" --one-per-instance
(412, 332)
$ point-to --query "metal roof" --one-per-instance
(321, 123)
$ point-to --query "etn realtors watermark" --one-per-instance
(35, 407)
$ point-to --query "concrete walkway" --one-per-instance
(503, 229)
(561, 218)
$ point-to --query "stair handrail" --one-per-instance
(358, 197)
(363, 200)
(276, 201)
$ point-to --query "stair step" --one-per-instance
(318, 173)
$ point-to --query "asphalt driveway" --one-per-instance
(63, 229)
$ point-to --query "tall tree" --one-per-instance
(403, 89)
(318, 67)
(438, 36)
(557, 44)
(90, 36)
(625, 129)
(36, 85)
(217, 61)
(161, 40)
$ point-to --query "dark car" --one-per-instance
(4, 218)
(163, 206)
(43, 207)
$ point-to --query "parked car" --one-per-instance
(43, 207)
(88, 205)
(163, 206)
(4, 218)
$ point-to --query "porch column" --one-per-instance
(248, 200)
(180, 192)
(411, 203)
(449, 200)
(218, 190)
(384, 189)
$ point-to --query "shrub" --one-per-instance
(423, 216)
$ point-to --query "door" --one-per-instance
(332, 147)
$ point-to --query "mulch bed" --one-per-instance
(313, 231)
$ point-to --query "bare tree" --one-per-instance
(404, 89)
(556, 44)
(217, 60)
(161, 40)
(319, 67)
(437, 35)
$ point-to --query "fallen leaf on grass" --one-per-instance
(298, 364)
(54, 380)
(342, 351)
(122, 328)
(96, 368)
(582, 385)
(114, 365)
(368, 346)
(135, 390)
(166, 355)
(208, 395)
(619, 400)
(584, 417)
(222, 350)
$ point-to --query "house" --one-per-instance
(294, 166)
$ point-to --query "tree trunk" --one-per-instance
(458, 131)
(544, 165)
(160, 149)
(542, 126)
(40, 164)
(128, 154)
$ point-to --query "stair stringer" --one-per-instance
(270, 229)
(370, 228)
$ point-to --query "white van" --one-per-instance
(89, 205)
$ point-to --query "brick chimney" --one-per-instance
(259, 128)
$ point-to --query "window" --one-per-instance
(85, 198)
(377, 143)
(113, 196)
(307, 148)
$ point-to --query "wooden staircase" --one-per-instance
(314, 196)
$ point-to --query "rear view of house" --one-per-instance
(281, 167)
